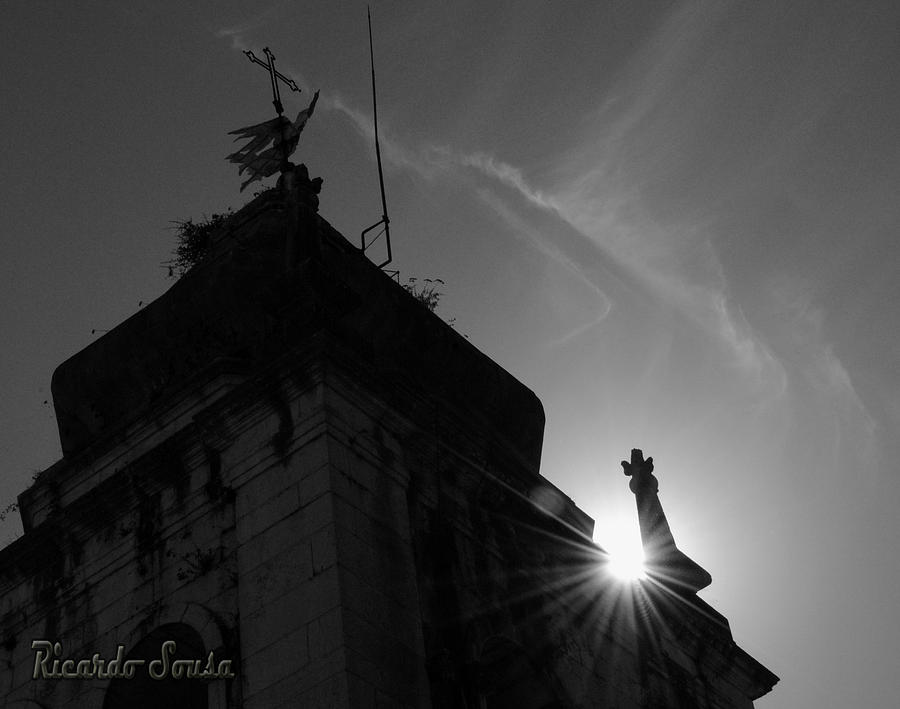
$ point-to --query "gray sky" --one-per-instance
(675, 222)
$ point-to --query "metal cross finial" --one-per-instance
(274, 75)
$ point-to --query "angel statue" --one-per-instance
(284, 135)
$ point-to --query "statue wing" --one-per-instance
(255, 157)
(270, 128)
(305, 115)
(265, 164)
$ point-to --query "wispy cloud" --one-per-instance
(580, 330)
(753, 356)
(238, 31)
(236, 35)
(538, 240)
(497, 169)
(602, 215)
(615, 224)
(393, 151)
(818, 367)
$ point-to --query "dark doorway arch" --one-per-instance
(143, 692)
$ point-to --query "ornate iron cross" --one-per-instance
(274, 75)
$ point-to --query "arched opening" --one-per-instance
(170, 692)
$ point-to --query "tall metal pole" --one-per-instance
(375, 121)
(384, 217)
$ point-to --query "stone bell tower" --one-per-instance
(315, 493)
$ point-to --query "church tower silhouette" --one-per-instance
(286, 483)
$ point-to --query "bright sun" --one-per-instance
(620, 537)
(627, 564)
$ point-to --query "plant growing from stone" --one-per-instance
(192, 242)
(427, 293)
